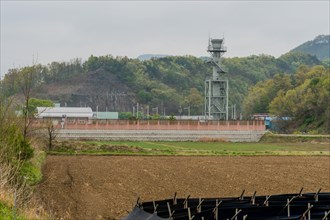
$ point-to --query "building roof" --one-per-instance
(60, 112)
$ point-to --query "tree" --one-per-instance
(260, 96)
(125, 115)
(307, 104)
(25, 84)
(194, 100)
(168, 80)
(51, 134)
(34, 103)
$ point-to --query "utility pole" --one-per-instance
(137, 110)
(234, 111)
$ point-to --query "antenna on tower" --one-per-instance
(209, 46)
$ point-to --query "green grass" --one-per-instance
(295, 138)
(7, 213)
(199, 148)
(31, 170)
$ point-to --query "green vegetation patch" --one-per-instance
(31, 170)
(296, 138)
(8, 213)
(190, 148)
(104, 148)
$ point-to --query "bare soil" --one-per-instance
(107, 187)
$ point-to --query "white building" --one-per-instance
(65, 112)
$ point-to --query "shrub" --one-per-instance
(25, 150)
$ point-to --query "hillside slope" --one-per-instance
(320, 47)
(118, 83)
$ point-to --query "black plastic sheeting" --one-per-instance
(281, 207)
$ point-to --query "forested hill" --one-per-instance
(320, 47)
(118, 83)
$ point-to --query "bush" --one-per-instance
(31, 174)
(6, 212)
(25, 150)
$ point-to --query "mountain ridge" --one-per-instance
(319, 46)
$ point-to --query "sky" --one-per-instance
(46, 31)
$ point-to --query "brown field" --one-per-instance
(106, 187)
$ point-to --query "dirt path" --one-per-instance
(106, 187)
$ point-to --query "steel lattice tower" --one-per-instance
(216, 88)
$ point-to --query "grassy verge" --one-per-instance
(31, 169)
(294, 138)
(189, 148)
(30, 174)
(7, 213)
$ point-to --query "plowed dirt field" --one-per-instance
(106, 187)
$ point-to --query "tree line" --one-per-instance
(303, 97)
(174, 82)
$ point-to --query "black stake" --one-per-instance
(138, 202)
(242, 195)
(185, 203)
(253, 198)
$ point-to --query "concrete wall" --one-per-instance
(161, 135)
(158, 125)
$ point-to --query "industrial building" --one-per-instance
(64, 112)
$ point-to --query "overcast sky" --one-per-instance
(46, 31)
